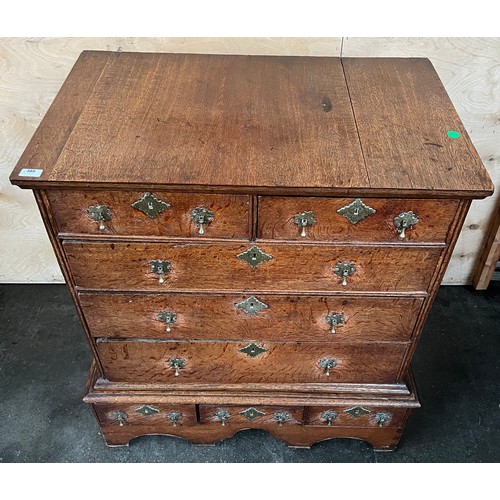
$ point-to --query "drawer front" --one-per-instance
(146, 413)
(277, 215)
(251, 416)
(236, 317)
(127, 266)
(230, 214)
(244, 362)
(356, 415)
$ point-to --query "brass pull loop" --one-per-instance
(329, 416)
(160, 267)
(121, 416)
(177, 364)
(303, 220)
(382, 418)
(344, 269)
(334, 320)
(168, 317)
(202, 216)
(404, 221)
(281, 417)
(222, 416)
(174, 417)
(327, 364)
(101, 214)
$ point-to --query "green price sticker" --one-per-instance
(453, 134)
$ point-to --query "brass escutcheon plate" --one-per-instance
(150, 205)
(356, 211)
(252, 306)
(254, 256)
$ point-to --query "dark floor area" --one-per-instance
(45, 359)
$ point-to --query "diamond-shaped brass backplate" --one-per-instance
(253, 349)
(147, 410)
(357, 411)
(150, 205)
(252, 413)
(356, 211)
(254, 256)
(252, 306)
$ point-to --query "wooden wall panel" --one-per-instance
(32, 70)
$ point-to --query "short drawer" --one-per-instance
(251, 416)
(155, 214)
(249, 362)
(209, 267)
(238, 317)
(356, 415)
(359, 220)
(145, 413)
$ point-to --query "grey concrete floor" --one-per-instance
(45, 359)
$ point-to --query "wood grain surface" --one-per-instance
(301, 436)
(276, 219)
(217, 317)
(208, 415)
(106, 414)
(404, 131)
(222, 362)
(470, 71)
(314, 416)
(209, 267)
(33, 69)
(230, 212)
(260, 121)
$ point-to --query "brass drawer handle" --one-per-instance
(222, 416)
(329, 416)
(150, 205)
(404, 221)
(281, 417)
(121, 416)
(174, 417)
(101, 214)
(344, 269)
(303, 220)
(327, 364)
(177, 364)
(382, 418)
(202, 217)
(160, 267)
(168, 317)
(334, 320)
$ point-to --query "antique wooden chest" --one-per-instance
(252, 242)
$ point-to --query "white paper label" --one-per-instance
(30, 172)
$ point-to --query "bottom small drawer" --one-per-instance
(251, 416)
(146, 414)
(356, 416)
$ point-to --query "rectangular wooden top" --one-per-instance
(279, 125)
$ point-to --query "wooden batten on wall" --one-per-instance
(32, 71)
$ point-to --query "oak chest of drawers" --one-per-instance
(252, 242)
